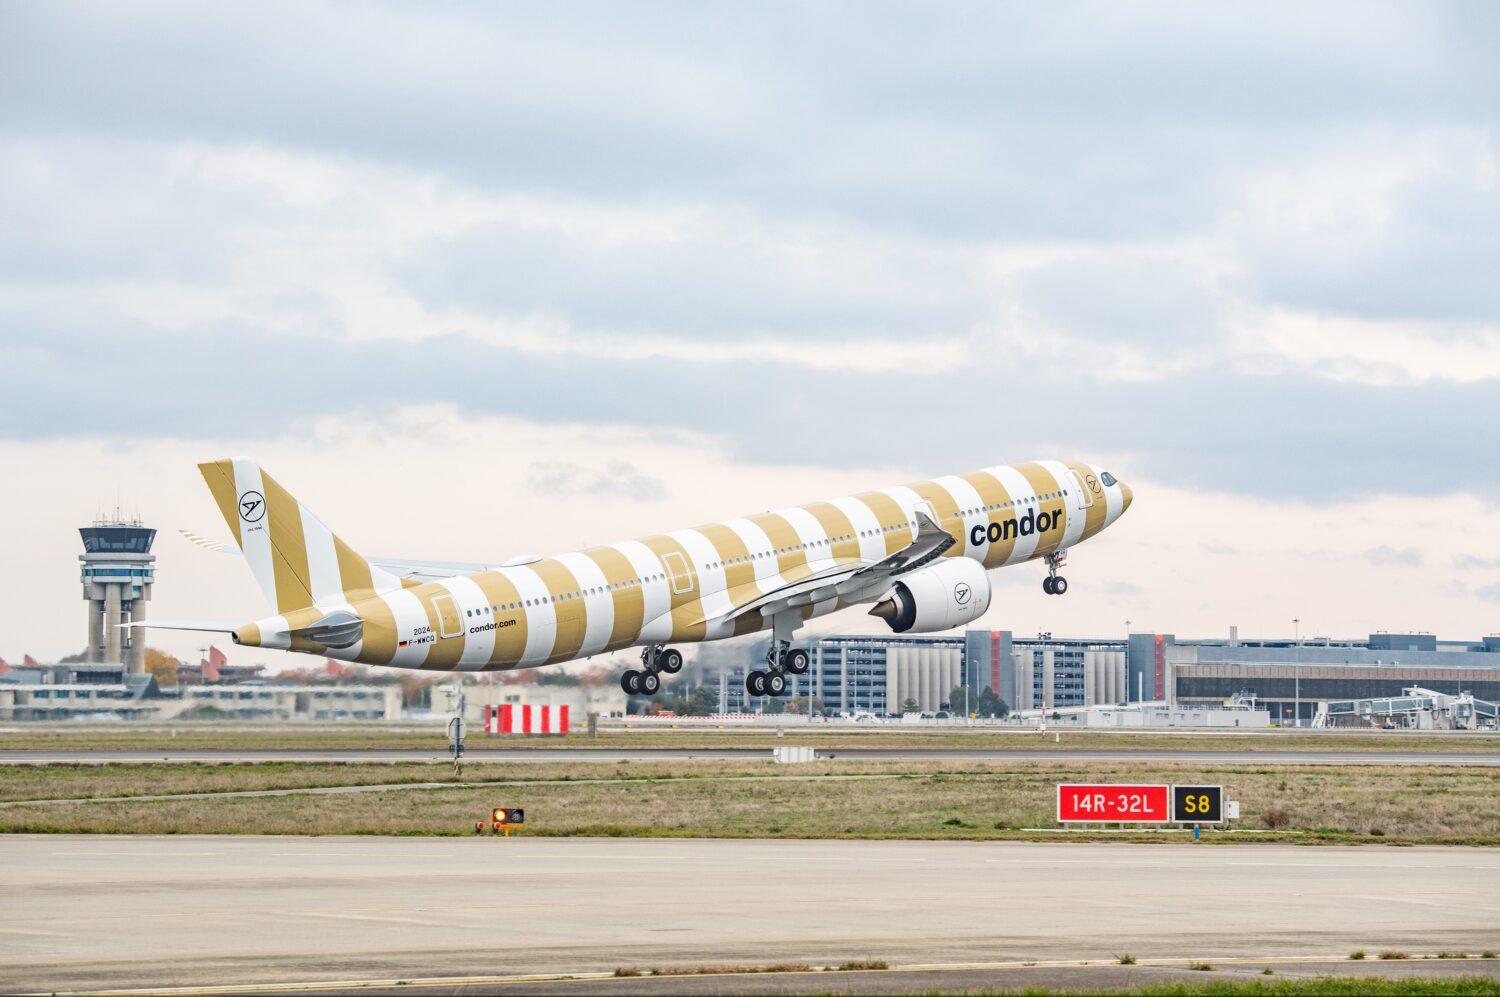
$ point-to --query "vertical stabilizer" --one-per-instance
(296, 559)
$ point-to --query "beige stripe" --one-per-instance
(997, 506)
(288, 547)
(296, 620)
(219, 475)
(687, 612)
(629, 604)
(889, 513)
(836, 527)
(354, 571)
(572, 616)
(379, 644)
(947, 509)
(443, 653)
(784, 541)
(739, 572)
(1043, 483)
(1099, 511)
(510, 621)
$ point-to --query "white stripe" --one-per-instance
(811, 533)
(277, 635)
(255, 538)
(1114, 500)
(909, 501)
(1075, 512)
(864, 520)
(767, 573)
(971, 512)
(656, 618)
(712, 598)
(324, 578)
(410, 616)
(468, 596)
(322, 559)
(541, 615)
(598, 607)
(382, 580)
(1020, 492)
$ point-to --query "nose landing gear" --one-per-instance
(647, 680)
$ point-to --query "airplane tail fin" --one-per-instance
(296, 559)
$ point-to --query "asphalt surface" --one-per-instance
(81, 912)
(614, 755)
(902, 980)
(393, 756)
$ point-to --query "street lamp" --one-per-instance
(1297, 673)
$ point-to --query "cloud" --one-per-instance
(1469, 562)
(617, 479)
(1222, 253)
(1489, 593)
(1387, 556)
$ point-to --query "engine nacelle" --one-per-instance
(948, 594)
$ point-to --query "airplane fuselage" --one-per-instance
(681, 586)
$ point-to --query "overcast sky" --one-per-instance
(474, 280)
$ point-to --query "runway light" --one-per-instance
(502, 819)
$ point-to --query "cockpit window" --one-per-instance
(1108, 479)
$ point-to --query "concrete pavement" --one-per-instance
(81, 911)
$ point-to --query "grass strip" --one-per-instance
(922, 800)
(1321, 986)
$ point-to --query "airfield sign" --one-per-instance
(1197, 804)
(1079, 803)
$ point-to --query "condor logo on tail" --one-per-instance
(252, 507)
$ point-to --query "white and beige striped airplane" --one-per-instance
(920, 553)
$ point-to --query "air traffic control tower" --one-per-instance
(118, 569)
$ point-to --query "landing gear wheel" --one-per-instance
(670, 661)
(1047, 584)
(631, 683)
(755, 683)
(650, 683)
(796, 661)
(775, 684)
(1059, 585)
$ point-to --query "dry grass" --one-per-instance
(207, 736)
(957, 800)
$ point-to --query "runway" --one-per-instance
(614, 755)
(90, 912)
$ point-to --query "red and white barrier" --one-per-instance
(510, 718)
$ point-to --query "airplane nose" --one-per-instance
(1126, 495)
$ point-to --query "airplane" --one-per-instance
(918, 554)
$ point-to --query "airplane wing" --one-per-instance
(849, 579)
(427, 571)
(420, 571)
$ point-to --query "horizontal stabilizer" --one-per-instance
(210, 626)
(207, 544)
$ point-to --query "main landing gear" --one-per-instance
(1055, 584)
(647, 680)
(780, 659)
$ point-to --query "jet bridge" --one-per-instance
(1416, 709)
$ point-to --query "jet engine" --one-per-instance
(949, 594)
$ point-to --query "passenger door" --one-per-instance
(449, 623)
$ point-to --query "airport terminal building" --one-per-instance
(887, 675)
